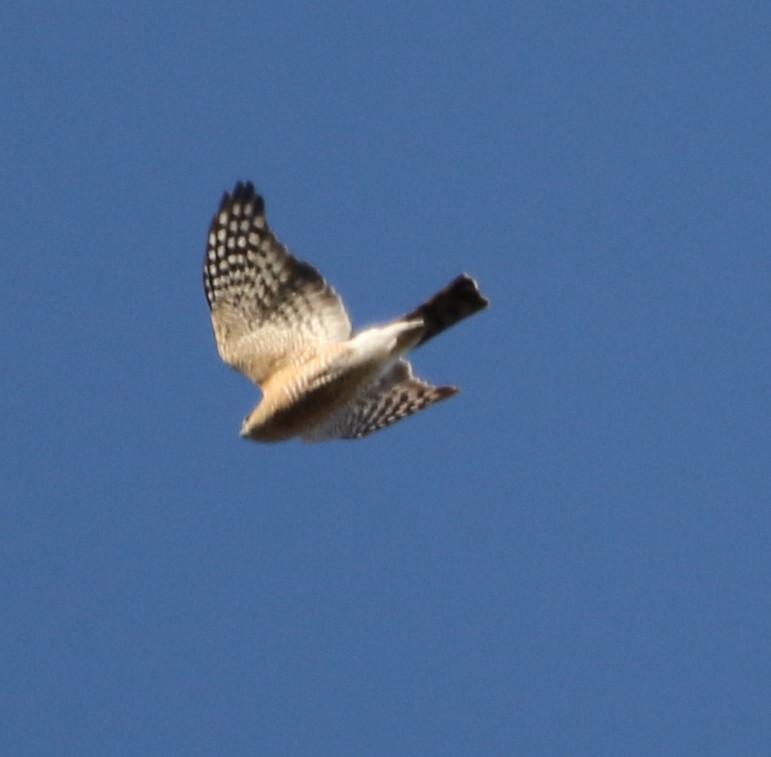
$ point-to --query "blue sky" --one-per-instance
(570, 557)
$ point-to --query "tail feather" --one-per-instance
(458, 300)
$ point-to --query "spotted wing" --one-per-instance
(395, 395)
(268, 309)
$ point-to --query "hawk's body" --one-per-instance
(277, 321)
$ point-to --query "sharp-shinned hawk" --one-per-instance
(279, 323)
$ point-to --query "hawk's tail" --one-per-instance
(458, 300)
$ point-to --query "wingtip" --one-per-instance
(445, 392)
(243, 192)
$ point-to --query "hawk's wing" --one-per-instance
(395, 395)
(268, 308)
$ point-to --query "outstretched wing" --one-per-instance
(268, 309)
(395, 395)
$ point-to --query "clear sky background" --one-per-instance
(573, 556)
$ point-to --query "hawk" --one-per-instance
(277, 321)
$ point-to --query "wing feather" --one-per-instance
(268, 308)
(395, 395)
